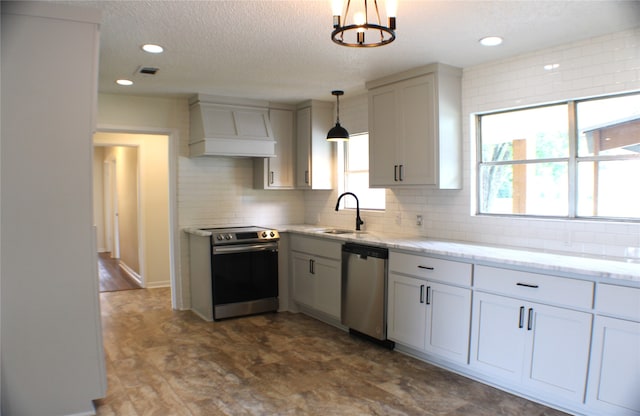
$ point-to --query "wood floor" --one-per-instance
(112, 277)
(166, 362)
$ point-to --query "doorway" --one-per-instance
(133, 192)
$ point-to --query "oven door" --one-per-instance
(244, 272)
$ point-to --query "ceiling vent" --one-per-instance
(147, 70)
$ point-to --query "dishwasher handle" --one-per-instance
(365, 251)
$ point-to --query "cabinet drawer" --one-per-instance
(446, 271)
(618, 300)
(538, 287)
(316, 246)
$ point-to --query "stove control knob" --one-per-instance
(219, 237)
(227, 237)
(272, 234)
(264, 234)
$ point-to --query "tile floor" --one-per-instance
(165, 362)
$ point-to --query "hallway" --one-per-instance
(112, 277)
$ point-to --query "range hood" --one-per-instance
(223, 126)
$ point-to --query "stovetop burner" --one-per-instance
(241, 235)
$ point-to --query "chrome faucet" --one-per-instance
(358, 219)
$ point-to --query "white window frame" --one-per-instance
(350, 203)
(572, 163)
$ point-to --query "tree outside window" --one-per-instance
(544, 162)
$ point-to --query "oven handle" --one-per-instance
(244, 248)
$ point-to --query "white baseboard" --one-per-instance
(132, 273)
(155, 285)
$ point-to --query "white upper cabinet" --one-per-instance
(415, 128)
(277, 172)
(315, 155)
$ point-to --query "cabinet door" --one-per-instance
(416, 115)
(497, 338)
(328, 278)
(303, 152)
(384, 132)
(614, 378)
(557, 351)
(303, 280)
(280, 172)
(406, 314)
(448, 321)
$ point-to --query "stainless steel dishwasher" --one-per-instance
(364, 291)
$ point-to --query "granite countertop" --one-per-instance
(596, 269)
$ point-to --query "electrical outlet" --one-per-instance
(419, 220)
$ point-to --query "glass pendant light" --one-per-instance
(337, 133)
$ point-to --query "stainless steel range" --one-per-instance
(243, 272)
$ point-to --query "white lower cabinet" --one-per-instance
(317, 279)
(543, 348)
(614, 381)
(429, 316)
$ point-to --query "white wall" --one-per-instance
(52, 356)
(603, 65)
(126, 162)
(98, 204)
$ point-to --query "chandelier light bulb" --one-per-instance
(336, 7)
(392, 8)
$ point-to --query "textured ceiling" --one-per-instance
(281, 50)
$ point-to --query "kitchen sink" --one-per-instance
(337, 231)
(341, 231)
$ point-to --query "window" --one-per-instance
(573, 159)
(355, 175)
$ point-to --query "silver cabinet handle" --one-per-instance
(530, 320)
(401, 172)
(272, 177)
(395, 173)
(306, 176)
(421, 293)
(425, 267)
(428, 292)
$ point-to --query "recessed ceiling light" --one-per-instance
(151, 48)
(551, 67)
(125, 82)
(491, 41)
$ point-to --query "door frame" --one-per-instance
(177, 299)
(112, 233)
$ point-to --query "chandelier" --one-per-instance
(360, 25)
